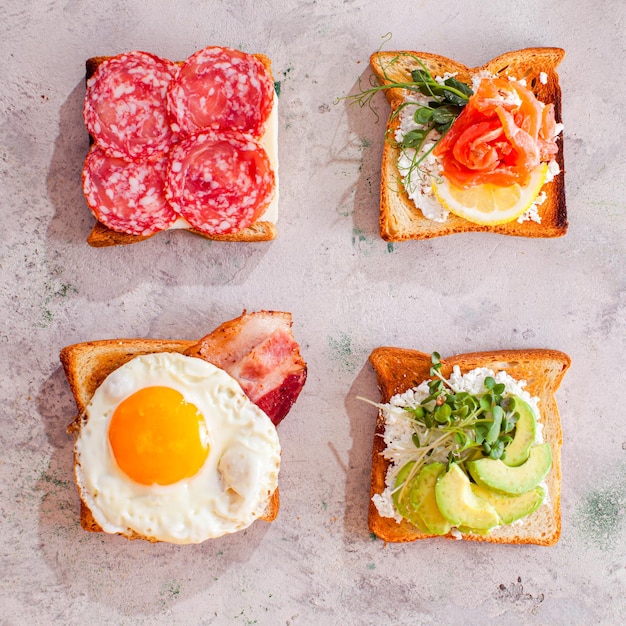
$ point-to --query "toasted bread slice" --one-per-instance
(399, 218)
(398, 370)
(86, 366)
(101, 236)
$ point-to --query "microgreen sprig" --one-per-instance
(460, 426)
(446, 101)
(445, 104)
(452, 93)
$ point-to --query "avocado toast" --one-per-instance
(500, 479)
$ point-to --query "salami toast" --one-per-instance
(398, 370)
(400, 218)
(262, 228)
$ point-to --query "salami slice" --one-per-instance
(221, 89)
(219, 182)
(126, 106)
(127, 197)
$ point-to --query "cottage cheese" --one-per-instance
(417, 181)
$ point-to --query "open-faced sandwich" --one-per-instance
(176, 440)
(471, 149)
(189, 145)
(467, 447)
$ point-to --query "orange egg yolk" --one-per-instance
(158, 437)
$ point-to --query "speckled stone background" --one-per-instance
(349, 292)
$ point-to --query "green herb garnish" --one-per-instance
(453, 93)
(445, 104)
(460, 426)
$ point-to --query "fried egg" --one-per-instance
(172, 449)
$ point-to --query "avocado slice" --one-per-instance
(518, 450)
(496, 475)
(459, 505)
(466, 530)
(424, 501)
(401, 497)
(512, 508)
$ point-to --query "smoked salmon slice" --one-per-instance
(499, 138)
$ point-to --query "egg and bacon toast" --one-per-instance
(444, 464)
(176, 440)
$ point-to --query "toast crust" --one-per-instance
(87, 364)
(102, 237)
(398, 370)
(399, 218)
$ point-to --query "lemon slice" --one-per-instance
(491, 204)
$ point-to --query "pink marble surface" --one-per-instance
(349, 292)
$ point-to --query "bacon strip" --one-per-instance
(259, 351)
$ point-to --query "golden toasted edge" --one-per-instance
(102, 237)
(399, 369)
(399, 219)
(86, 365)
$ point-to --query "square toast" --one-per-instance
(398, 370)
(400, 219)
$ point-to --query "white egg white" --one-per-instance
(227, 494)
